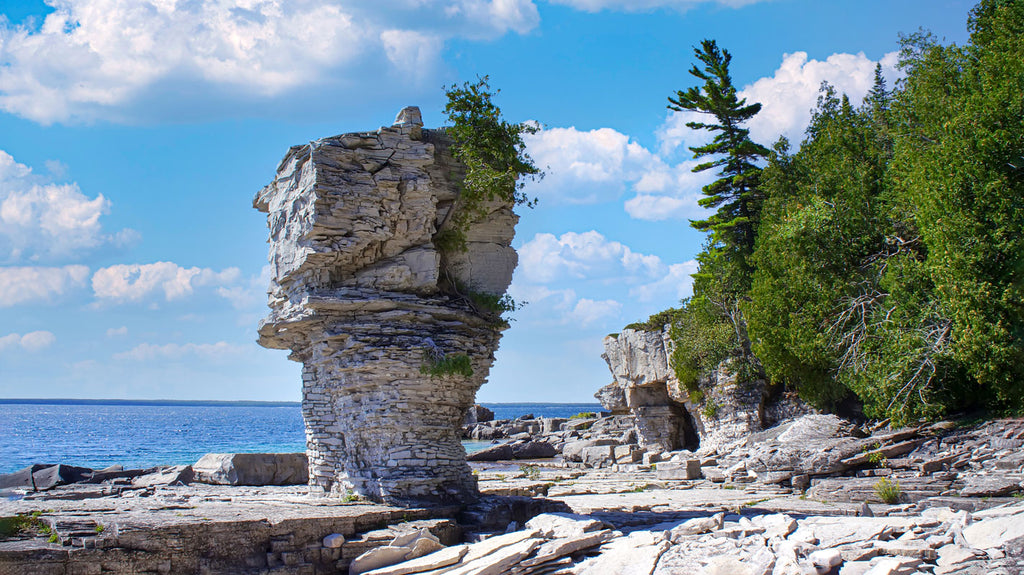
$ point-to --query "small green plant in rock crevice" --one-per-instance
(888, 490)
(711, 408)
(437, 363)
(351, 497)
(529, 471)
(449, 364)
(25, 524)
(584, 415)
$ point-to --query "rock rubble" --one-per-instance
(938, 540)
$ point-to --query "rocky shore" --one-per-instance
(815, 494)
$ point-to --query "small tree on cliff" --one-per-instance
(494, 154)
(497, 169)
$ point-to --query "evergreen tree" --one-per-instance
(736, 192)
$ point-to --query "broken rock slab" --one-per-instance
(251, 469)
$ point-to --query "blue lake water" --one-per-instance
(139, 436)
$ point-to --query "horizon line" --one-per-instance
(217, 402)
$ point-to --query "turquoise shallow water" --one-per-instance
(139, 436)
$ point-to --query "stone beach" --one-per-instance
(727, 477)
(959, 511)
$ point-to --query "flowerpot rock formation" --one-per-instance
(366, 302)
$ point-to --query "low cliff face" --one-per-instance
(639, 362)
(363, 299)
(645, 385)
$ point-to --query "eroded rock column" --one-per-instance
(363, 299)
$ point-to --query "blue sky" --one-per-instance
(134, 133)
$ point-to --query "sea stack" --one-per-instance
(390, 330)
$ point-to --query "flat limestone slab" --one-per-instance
(198, 528)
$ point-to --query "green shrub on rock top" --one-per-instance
(494, 155)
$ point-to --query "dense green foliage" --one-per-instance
(891, 256)
(497, 167)
(493, 153)
(888, 253)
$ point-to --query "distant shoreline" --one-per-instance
(152, 402)
(215, 403)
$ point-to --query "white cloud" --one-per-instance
(107, 58)
(250, 295)
(533, 294)
(45, 220)
(677, 283)
(134, 282)
(117, 331)
(656, 208)
(20, 285)
(644, 5)
(597, 268)
(787, 97)
(588, 312)
(32, 341)
(590, 167)
(206, 351)
(587, 255)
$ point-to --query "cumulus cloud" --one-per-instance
(206, 351)
(252, 294)
(589, 283)
(19, 285)
(42, 220)
(788, 96)
(677, 281)
(32, 341)
(135, 282)
(644, 5)
(104, 58)
(587, 255)
(584, 167)
(588, 312)
(117, 331)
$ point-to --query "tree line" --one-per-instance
(881, 260)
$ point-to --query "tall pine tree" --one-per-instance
(736, 192)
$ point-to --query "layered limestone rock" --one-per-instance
(646, 386)
(727, 410)
(363, 299)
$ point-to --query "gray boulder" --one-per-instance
(43, 477)
(812, 444)
(173, 475)
(612, 398)
(533, 450)
(252, 469)
(573, 451)
(502, 452)
(991, 486)
(478, 414)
